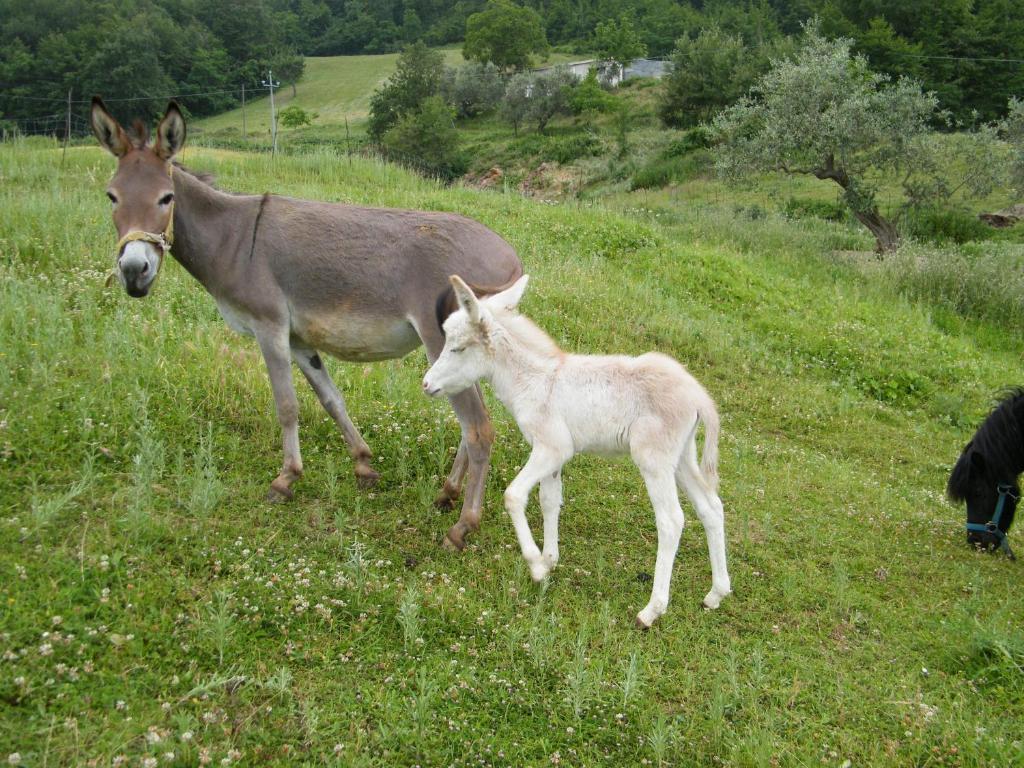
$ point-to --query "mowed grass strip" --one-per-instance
(154, 607)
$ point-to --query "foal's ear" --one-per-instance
(509, 298)
(467, 300)
(170, 134)
(109, 132)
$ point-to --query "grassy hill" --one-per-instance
(152, 603)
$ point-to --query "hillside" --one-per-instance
(334, 87)
(153, 603)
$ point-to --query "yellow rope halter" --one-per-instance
(163, 240)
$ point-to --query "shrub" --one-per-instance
(668, 169)
(296, 117)
(571, 147)
(695, 138)
(822, 209)
(427, 141)
(945, 225)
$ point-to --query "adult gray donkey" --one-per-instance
(301, 276)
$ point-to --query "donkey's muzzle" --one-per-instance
(137, 268)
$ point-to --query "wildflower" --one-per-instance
(187, 736)
(149, 762)
(14, 758)
(339, 748)
(57, 620)
(120, 706)
(45, 649)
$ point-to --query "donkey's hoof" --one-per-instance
(366, 479)
(444, 501)
(452, 546)
(279, 493)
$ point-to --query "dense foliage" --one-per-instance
(967, 53)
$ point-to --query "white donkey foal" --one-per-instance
(647, 406)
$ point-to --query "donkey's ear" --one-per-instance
(170, 134)
(467, 300)
(108, 131)
(510, 297)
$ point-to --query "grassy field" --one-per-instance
(155, 610)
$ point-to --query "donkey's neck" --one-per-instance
(210, 228)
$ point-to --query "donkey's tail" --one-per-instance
(708, 413)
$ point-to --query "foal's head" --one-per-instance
(141, 192)
(985, 475)
(468, 355)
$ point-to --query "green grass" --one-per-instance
(151, 602)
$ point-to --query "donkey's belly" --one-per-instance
(357, 337)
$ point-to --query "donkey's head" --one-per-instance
(991, 497)
(141, 192)
(468, 354)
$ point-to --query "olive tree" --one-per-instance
(825, 113)
(1014, 132)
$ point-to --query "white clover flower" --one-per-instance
(14, 758)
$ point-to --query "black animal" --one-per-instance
(985, 475)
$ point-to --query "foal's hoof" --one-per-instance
(641, 624)
(366, 479)
(279, 493)
(712, 600)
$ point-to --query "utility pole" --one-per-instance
(271, 85)
(244, 137)
(67, 131)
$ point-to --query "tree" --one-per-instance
(504, 34)
(825, 113)
(708, 73)
(516, 104)
(426, 139)
(287, 66)
(549, 95)
(618, 43)
(416, 78)
(473, 88)
(589, 98)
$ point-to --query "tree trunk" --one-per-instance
(293, 90)
(887, 237)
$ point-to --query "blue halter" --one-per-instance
(992, 526)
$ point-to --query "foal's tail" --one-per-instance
(708, 413)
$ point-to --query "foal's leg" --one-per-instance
(274, 345)
(712, 516)
(550, 504)
(542, 464)
(668, 516)
(319, 379)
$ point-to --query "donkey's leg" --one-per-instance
(274, 345)
(319, 379)
(478, 435)
(668, 516)
(550, 504)
(709, 509)
(542, 464)
(453, 483)
(474, 452)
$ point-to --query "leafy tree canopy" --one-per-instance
(504, 34)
